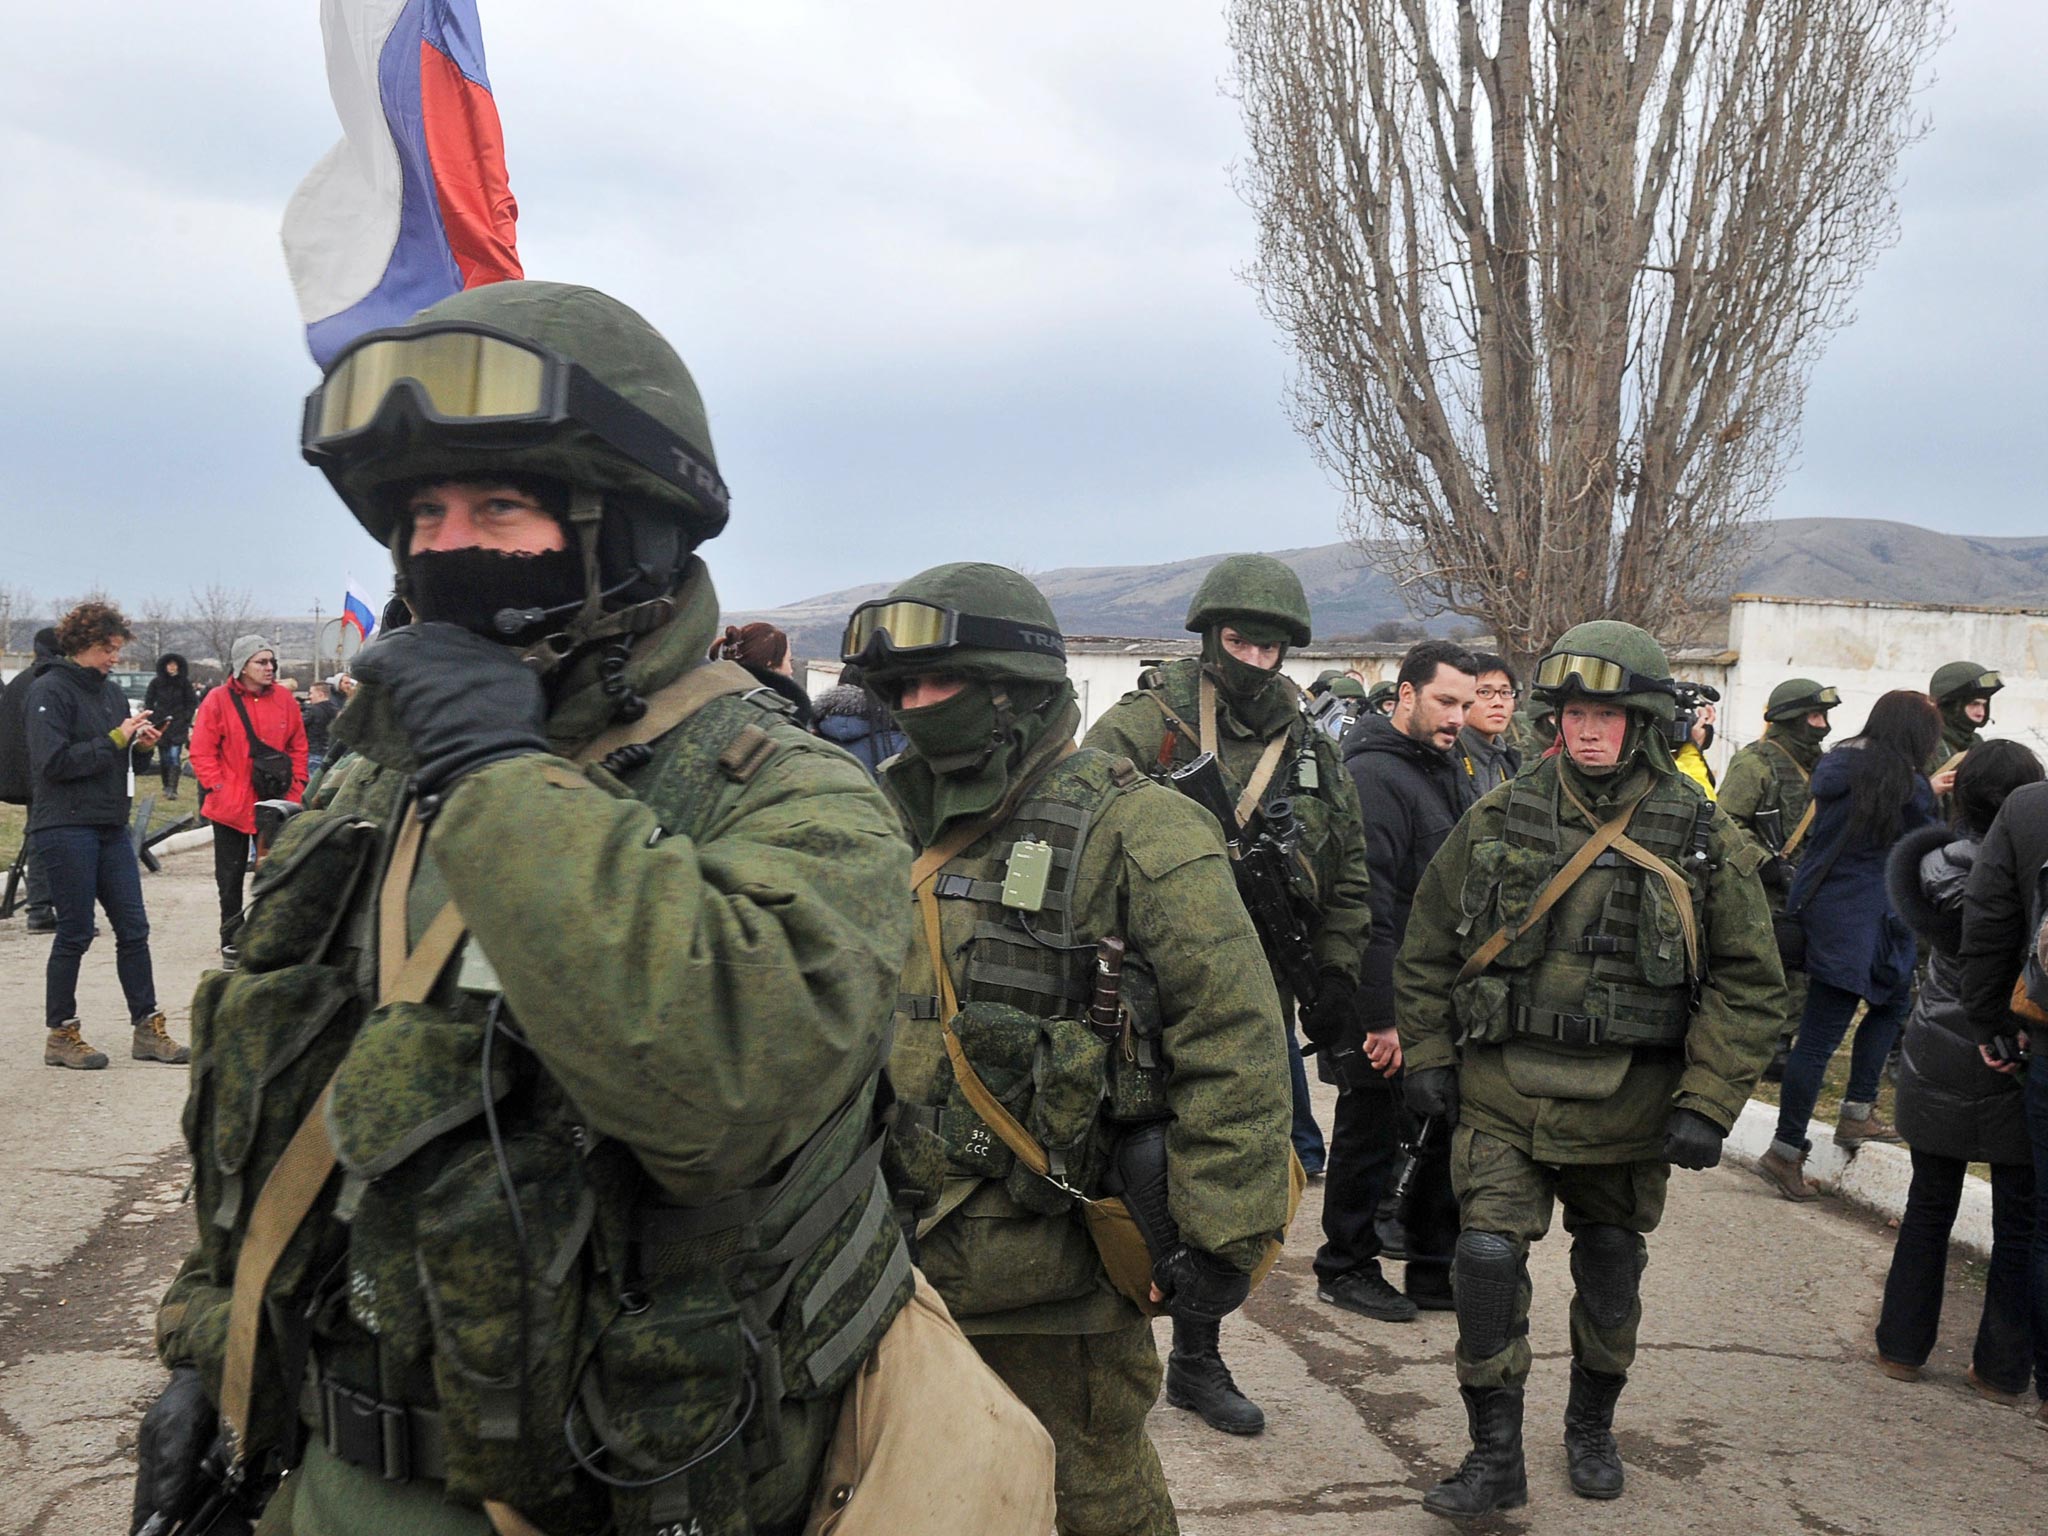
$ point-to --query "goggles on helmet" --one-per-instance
(1594, 675)
(908, 626)
(1984, 682)
(474, 385)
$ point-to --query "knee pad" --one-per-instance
(1607, 1263)
(1486, 1274)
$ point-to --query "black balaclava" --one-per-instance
(1803, 741)
(1255, 695)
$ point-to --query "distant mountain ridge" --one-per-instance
(1855, 558)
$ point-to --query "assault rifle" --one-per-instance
(1261, 859)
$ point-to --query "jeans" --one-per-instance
(1821, 1027)
(230, 868)
(84, 864)
(1306, 1134)
(1365, 1143)
(1911, 1317)
(2036, 1100)
(35, 883)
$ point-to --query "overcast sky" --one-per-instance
(956, 281)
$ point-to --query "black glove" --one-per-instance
(1776, 872)
(1335, 1009)
(462, 701)
(1691, 1140)
(1198, 1286)
(1433, 1092)
(176, 1433)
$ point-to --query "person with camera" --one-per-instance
(1955, 1107)
(248, 744)
(1870, 793)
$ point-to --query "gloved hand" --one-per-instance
(1198, 1287)
(1433, 1092)
(1333, 1012)
(1691, 1140)
(176, 1434)
(462, 701)
(1776, 873)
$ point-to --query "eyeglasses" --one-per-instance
(1499, 693)
(475, 384)
(262, 661)
(902, 626)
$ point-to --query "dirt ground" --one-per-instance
(1753, 1410)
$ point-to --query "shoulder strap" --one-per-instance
(1609, 833)
(1262, 772)
(294, 1182)
(1779, 748)
(1800, 828)
(235, 698)
(1954, 762)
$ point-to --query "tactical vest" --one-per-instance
(1607, 965)
(1789, 792)
(1026, 981)
(497, 1297)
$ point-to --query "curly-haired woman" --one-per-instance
(80, 734)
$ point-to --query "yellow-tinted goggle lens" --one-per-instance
(466, 377)
(1596, 674)
(911, 626)
(1827, 698)
(1990, 680)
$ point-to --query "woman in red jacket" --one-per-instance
(220, 755)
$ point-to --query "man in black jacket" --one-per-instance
(15, 785)
(80, 734)
(2001, 924)
(1408, 776)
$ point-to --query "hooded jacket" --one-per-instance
(172, 701)
(78, 772)
(848, 717)
(220, 749)
(1950, 1103)
(16, 785)
(1410, 795)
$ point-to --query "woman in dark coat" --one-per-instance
(764, 651)
(1954, 1107)
(1868, 792)
(171, 701)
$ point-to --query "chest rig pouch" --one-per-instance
(1607, 964)
(1024, 990)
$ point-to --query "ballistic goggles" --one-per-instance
(1594, 675)
(892, 627)
(1827, 698)
(477, 385)
(1983, 683)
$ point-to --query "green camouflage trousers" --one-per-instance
(1092, 1391)
(1501, 1189)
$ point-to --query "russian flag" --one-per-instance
(413, 204)
(356, 611)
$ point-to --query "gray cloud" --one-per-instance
(954, 283)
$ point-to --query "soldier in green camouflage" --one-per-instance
(1765, 794)
(1233, 701)
(1587, 989)
(1031, 854)
(610, 1235)
(1382, 696)
(1962, 691)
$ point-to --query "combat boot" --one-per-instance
(154, 1043)
(1197, 1378)
(1860, 1123)
(1590, 1453)
(1492, 1476)
(67, 1048)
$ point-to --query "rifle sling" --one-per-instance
(1805, 822)
(404, 976)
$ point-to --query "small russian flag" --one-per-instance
(356, 611)
(413, 204)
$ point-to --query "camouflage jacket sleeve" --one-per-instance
(1741, 1009)
(1224, 1044)
(1132, 727)
(1429, 960)
(707, 1000)
(1347, 914)
(1743, 790)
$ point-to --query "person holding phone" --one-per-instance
(80, 737)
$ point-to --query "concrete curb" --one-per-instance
(1874, 1177)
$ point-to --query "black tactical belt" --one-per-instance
(1565, 1028)
(396, 1441)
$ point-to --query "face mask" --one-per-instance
(471, 587)
(955, 735)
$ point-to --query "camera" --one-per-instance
(1689, 696)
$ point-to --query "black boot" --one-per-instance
(1492, 1476)
(1197, 1378)
(1589, 1447)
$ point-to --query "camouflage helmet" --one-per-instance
(1798, 697)
(1345, 686)
(1611, 662)
(982, 621)
(1254, 587)
(609, 342)
(1381, 696)
(1960, 680)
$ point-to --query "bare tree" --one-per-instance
(218, 614)
(17, 611)
(155, 622)
(1556, 272)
